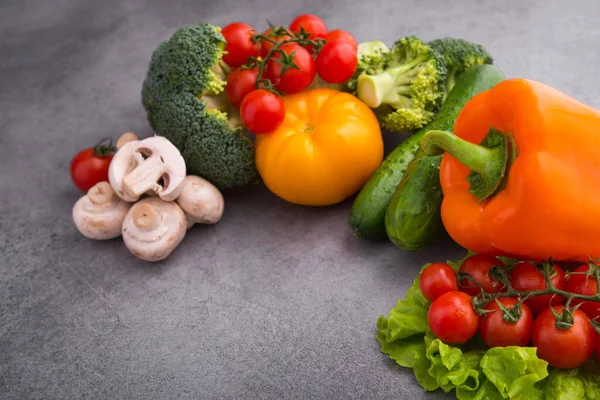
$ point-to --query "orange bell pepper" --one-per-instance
(521, 174)
(327, 147)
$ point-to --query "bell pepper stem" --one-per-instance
(488, 161)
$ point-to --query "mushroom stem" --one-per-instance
(101, 193)
(145, 217)
(145, 176)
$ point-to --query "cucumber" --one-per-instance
(412, 218)
(367, 216)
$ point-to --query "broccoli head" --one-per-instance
(405, 85)
(459, 55)
(183, 95)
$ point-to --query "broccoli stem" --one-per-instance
(390, 86)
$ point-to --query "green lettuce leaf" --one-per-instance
(515, 371)
(574, 384)
(409, 316)
(451, 368)
(409, 353)
(485, 391)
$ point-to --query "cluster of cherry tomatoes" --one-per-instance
(453, 319)
(262, 110)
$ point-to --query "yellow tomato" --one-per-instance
(325, 150)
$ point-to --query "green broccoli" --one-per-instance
(460, 55)
(183, 95)
(405, 85)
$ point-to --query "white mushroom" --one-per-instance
(123, 162)
(153, 228)
(157, 167)
(201, 201)
(125, 138)
(99, 214)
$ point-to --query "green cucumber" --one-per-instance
(367, 216)
(412, 218)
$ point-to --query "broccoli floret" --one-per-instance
(183, 95)
(460, 55)
(405, 85)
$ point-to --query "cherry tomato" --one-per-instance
(311, 24)
(452, 318)
(90, 166)
(496, 331)
(240, 82)
(582, 284)
(340, 34)
(478, 266)
(262, 111)
(293, 80)
(266, 46)
(437, 279)
(526, 277)
(337, 61)
(564, 348)
(240, 46)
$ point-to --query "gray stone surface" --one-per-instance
(276, 301)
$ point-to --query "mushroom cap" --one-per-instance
(158, 167)
(122, 163)
(153, 228)
(202, 202)
(125, 138)
(99, 214)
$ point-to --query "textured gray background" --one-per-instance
(276, 301)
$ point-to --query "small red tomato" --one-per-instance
(240, 82)
(526, 277)
(262, 111)
(312, 24)
(337, 61)
(90, 166)
(240, 46)
(340, 34)
(479, 266)
(266, 46)
(293, 80)
(437, 279)
(452, 319)
(582, 284)
(564, 348)
(497, 332)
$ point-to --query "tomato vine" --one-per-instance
(502, 275)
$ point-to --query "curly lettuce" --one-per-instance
(473, 371)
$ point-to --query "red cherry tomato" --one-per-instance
(240, 82)
(437, 279)
(90, 166)
(496, 331)
(293, 80)
(586, 285)
(478, 266)
(266, 46)
(340, 34)
(452, 318)
(262, 111)
(337, 61)
(240, 46)
(311, 24)
(526, 277)
(564, 348)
